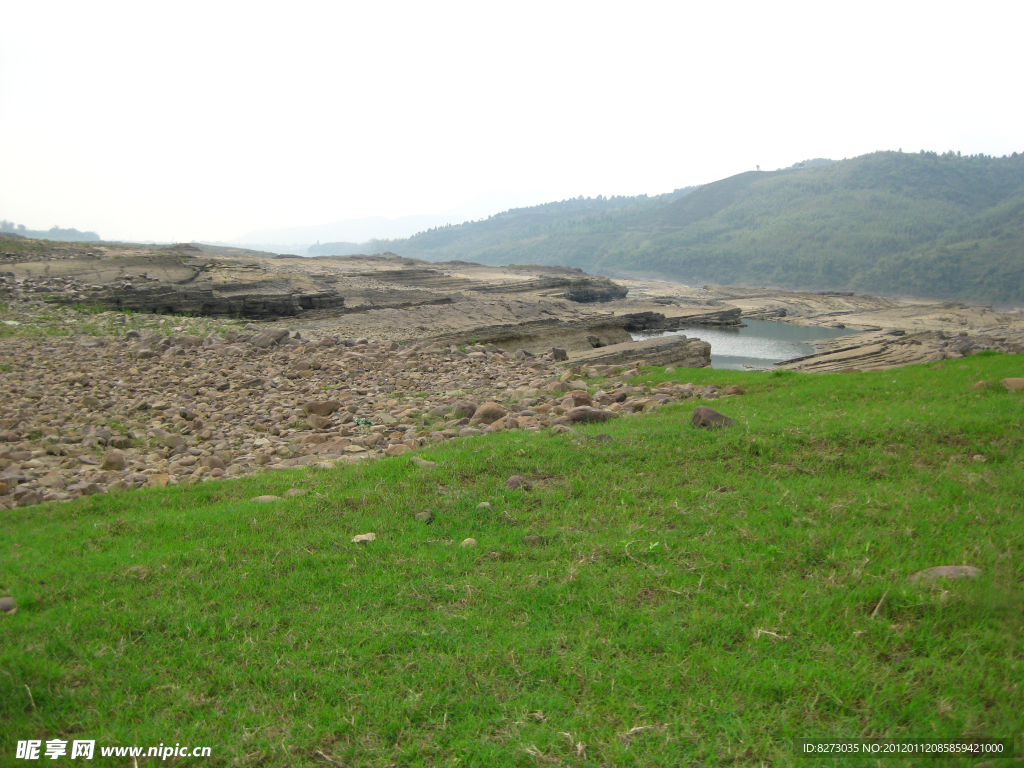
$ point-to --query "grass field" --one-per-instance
(668, 597)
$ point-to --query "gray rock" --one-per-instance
(114, 461)
(946, 572)
(584, 414)
(708, 418)
(516, 483)
(321, 408)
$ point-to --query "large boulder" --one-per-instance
(708, 418)
(489, 412)
(584, 414)
(321, 408)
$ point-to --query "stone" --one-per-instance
(30, 498)
(584, 415)
(396, 450)
(423, 463)
(559, 354)
(88, 460)
(946, 572)
(732, 390)
(3, 488)
(425, 517)
(979, 385)
(318, 422)
(1013, 384)
(516, 483)
(266, 499)
(7, 605)
(292, 493)
(114, 461)
(158, 480)
(364, 538)
(463, 409)
(708, 418)
(489, 412)
(321, 408)
(468, 543)
(580, 397)
(175, 441)
(212, 462)
(485, 505)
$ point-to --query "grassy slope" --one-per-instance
(193, 615)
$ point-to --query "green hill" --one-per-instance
(941, 226)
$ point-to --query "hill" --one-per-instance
(53, 233)
(925, 224)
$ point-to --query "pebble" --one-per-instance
(291, 493)
(468, 543)
(946, 572)
(515, 483)
(364, 538)
(484, 505)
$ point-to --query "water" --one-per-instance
(760, 345)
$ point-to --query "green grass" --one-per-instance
(713, 589)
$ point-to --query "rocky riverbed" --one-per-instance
(147, 401)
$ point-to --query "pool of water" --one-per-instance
(760, 345)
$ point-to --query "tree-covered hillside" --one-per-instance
(941, 226)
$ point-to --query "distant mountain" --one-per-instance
(54, 233)
(940, 226)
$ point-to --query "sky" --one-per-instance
(206, 120)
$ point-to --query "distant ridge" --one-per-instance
(940, 226)
(54, 233)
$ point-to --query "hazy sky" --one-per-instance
(180, 121)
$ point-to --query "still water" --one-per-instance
(760, 345)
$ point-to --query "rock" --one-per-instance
(580, 397)
(489, 412)
(3, 488)
(708, 418)
(584, 415)
(396, 450)
(158, 480)
(559, 429)
(30, 498)
(1013, 384)
(423, 463)
(321, 408)
(516, 483)
(946, 572)
(732, 390)
(212, 462)
(318, 422)
(7, 605)
(486, 505)
(558, 354)
(468, 543)
(978, 386)
(114, 461)
(425, 517)
(364, 538)
(292, 493)
(978, 458)
(175, 441)
(266, 499)
(464, 409)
